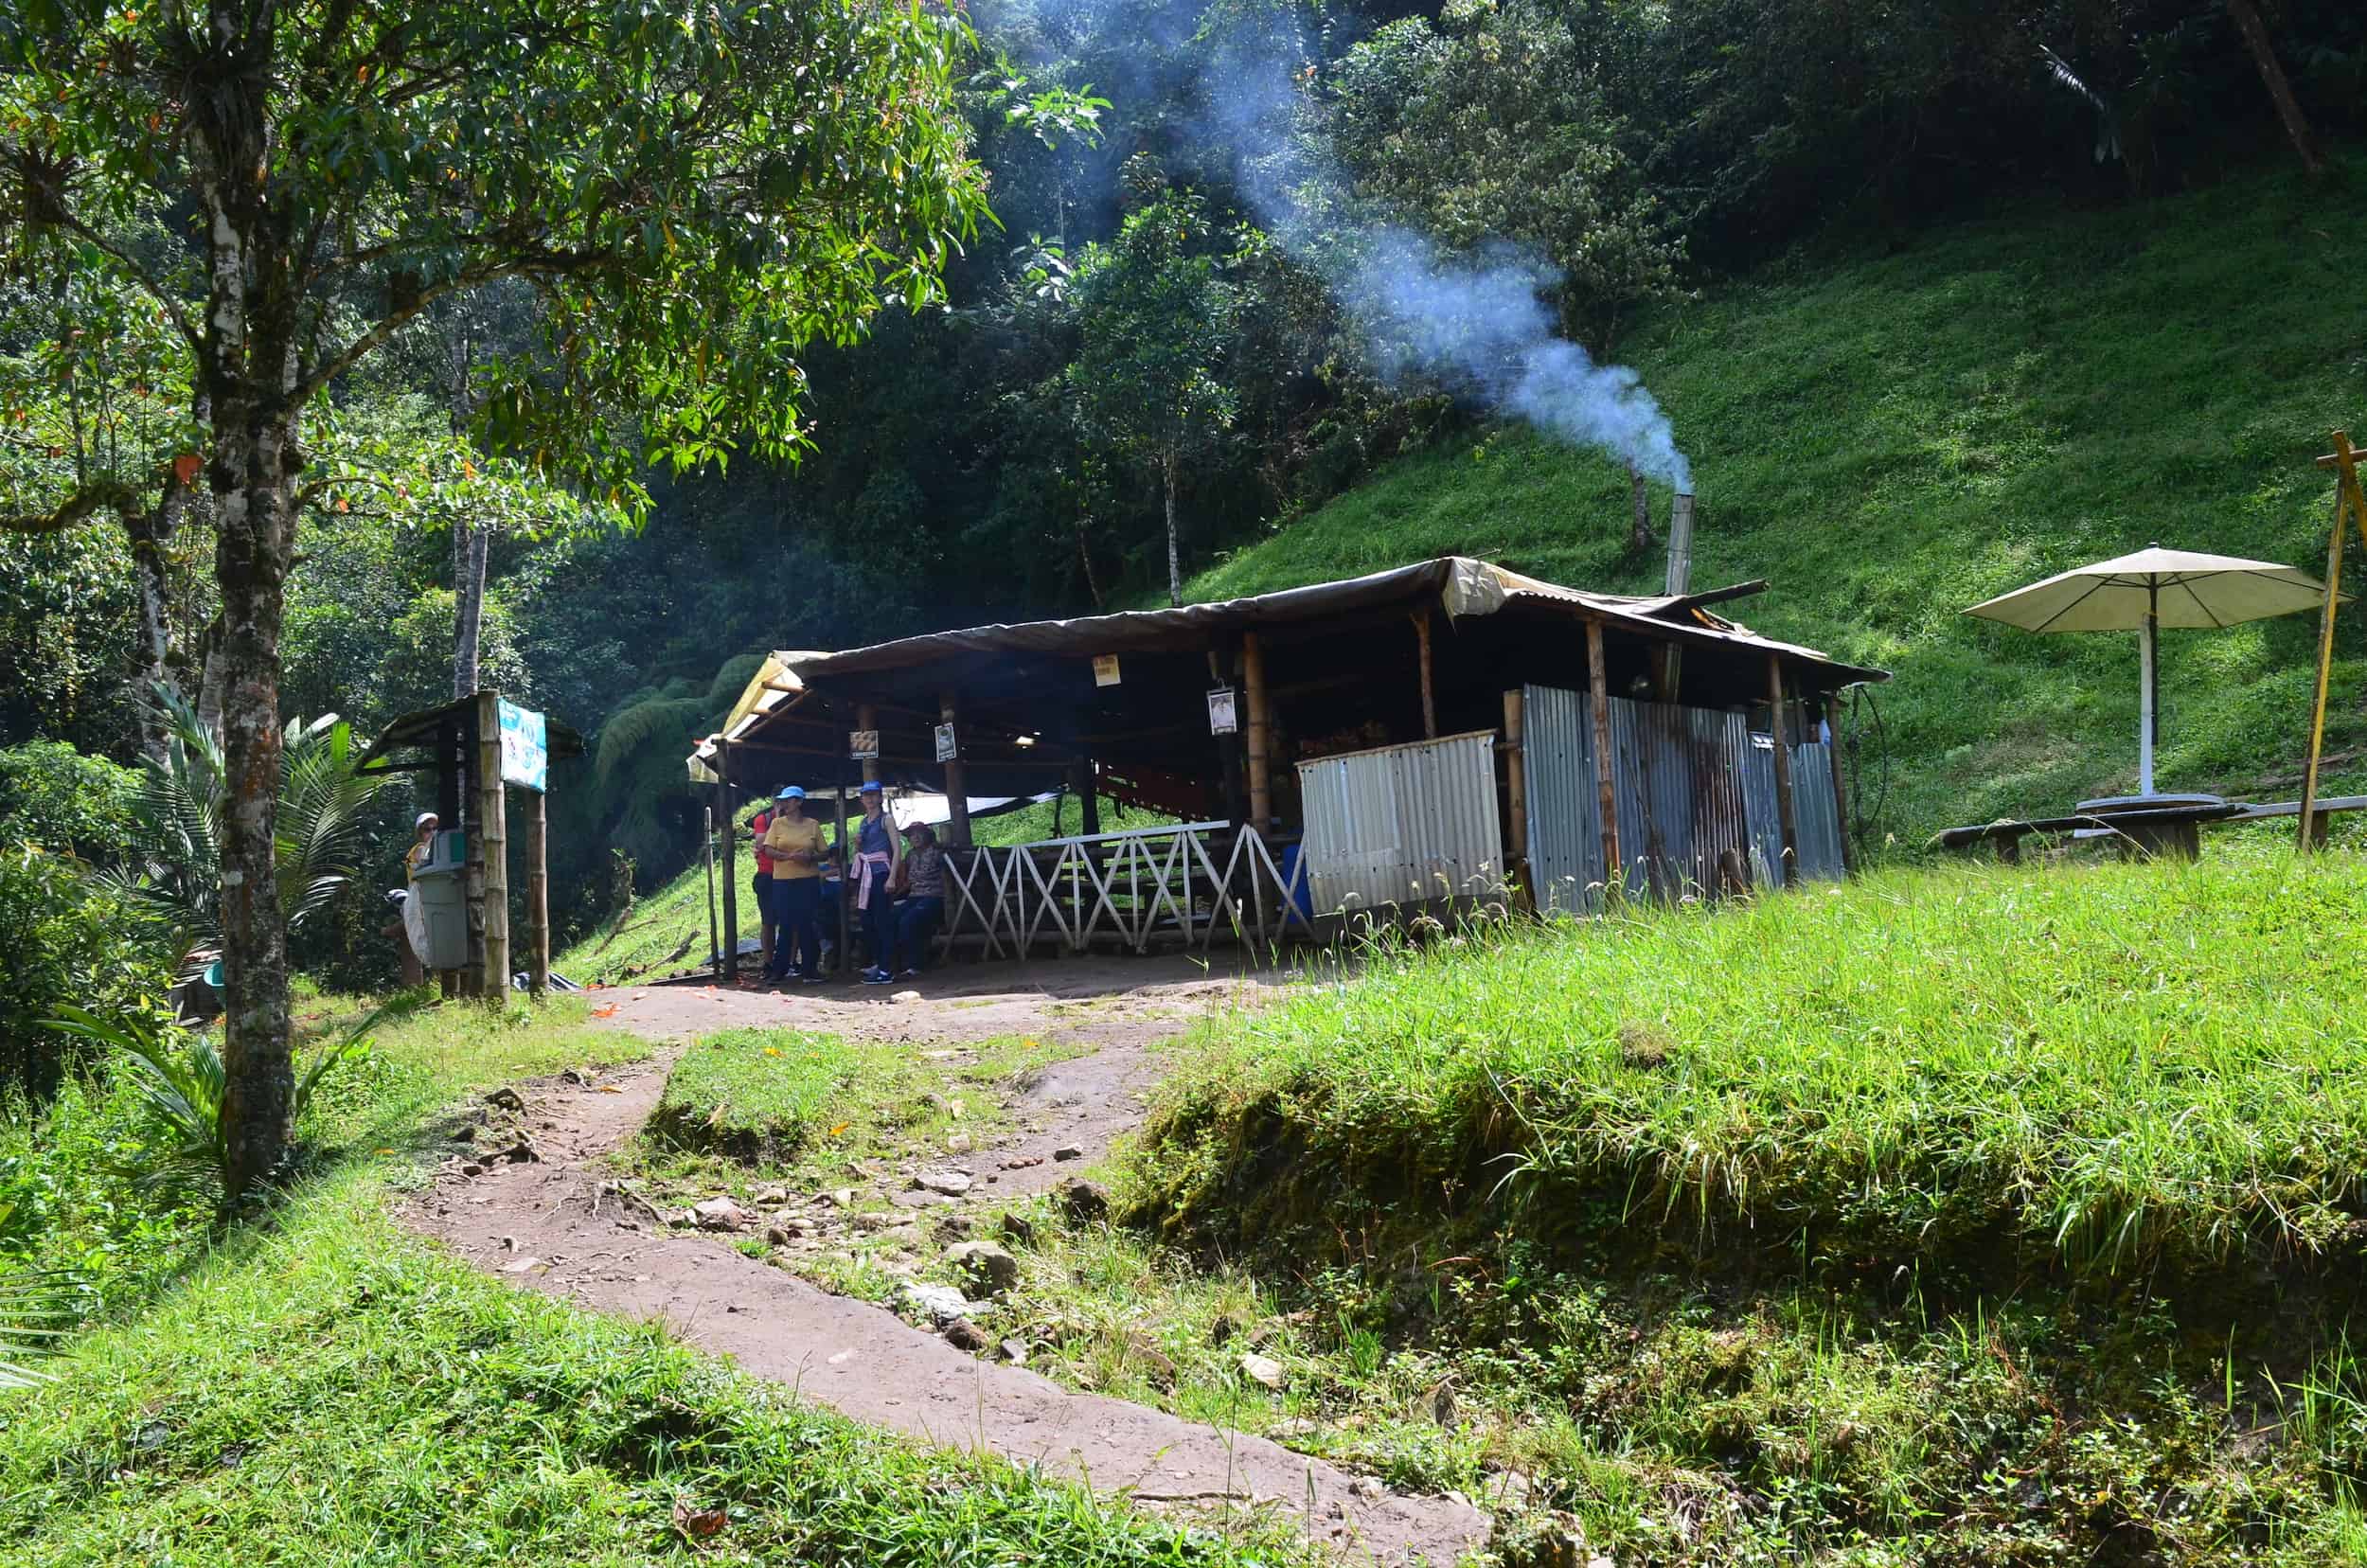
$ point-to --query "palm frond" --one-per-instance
(37, 1309)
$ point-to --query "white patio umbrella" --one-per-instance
(2149, 590)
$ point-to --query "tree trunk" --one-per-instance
(2280, 90)
(469, 543)
(151, 535)
(1085, 559)
(254, 464)
(1639, 533)
(1175, 567)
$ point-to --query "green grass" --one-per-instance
(751, 1094)
(2111, 1067)
(337, 1392)
(1888, 440)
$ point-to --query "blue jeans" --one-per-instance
(914, 923)
(796, 936)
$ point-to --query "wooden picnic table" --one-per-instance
(2173, 828)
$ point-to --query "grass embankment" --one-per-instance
(1967, 1217)
(1889, 439)
(322, 1387)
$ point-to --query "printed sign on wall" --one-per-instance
(1222, 718)
(863, 745)
(525, 748)
(945, 751)
(1105, 669)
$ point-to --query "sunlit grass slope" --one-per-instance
(1889, 439)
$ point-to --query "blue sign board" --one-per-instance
(525, 748)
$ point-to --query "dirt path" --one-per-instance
(555, 1227)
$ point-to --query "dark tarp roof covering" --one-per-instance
(420, 730)
(1460, 584)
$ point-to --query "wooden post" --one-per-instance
(728, 969)
(494, 830)
(715, 939)
(1430, 697)
(1841, 790)
(1598, 698)
(2346, 499)
(866, 717)
(1516, 793)
(1260, 774)
(472, 853)
(1786, 814)
(1080, 780)
(956, 785)
(845, 870)
(538, 953)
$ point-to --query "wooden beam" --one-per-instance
(1516, 788)
(1261, 764)
(538, 953)
(728, 966)
(1598, 698)
(957, 784)
(493, 829)
(1786, 814)
(1429, 694)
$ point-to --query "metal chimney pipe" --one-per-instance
(1680, 543)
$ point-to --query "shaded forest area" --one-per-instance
(1149, 360)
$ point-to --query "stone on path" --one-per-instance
(1069, 1151)
(953, 1184)
(986, 1263)
(719, 1214)
(1262, 1369)
(1085, 1201)
(943, 1303)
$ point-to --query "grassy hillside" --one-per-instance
(1888, 440)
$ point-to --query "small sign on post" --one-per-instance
(946, 749)
(863, 745)
(1224, 719)
(1105, 669)
(525, 748)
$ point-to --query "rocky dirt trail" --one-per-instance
(559, 1224)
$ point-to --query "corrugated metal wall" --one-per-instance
(1404, 824)
(1695, 793)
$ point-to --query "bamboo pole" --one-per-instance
(1787, 809)
(493, 831)
(538, 895)
(1260, 774)
(727, 966)
(715, 941)
(1606, 794)
(1429, 694)
(1517, 790)
(956, 783)
(2343, 462)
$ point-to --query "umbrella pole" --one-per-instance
(2346, 493)
(2147, 676)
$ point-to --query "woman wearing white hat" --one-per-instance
(414, 911)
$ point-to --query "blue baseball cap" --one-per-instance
(870, 786)
(793, 792)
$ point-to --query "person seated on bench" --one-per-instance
(913, 923)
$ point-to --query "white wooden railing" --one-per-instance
(1125, 890)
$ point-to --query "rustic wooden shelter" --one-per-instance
(1305, 736)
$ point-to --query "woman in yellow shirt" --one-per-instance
(795, 841)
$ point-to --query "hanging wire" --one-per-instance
(1864, 715)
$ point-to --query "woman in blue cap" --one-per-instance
(795, 841)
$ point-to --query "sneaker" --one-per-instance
(878, 977)
(813, 980)
(910, 974)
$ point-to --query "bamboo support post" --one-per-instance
(2347, 499)
(727, 966)
(1260, 775)
(1516, 789)
(1429, 690)
(845, 871)
(1606, 797)
(1787, 810)
(538, 954)
(957, 784)
(493, 834)
(706, 848)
